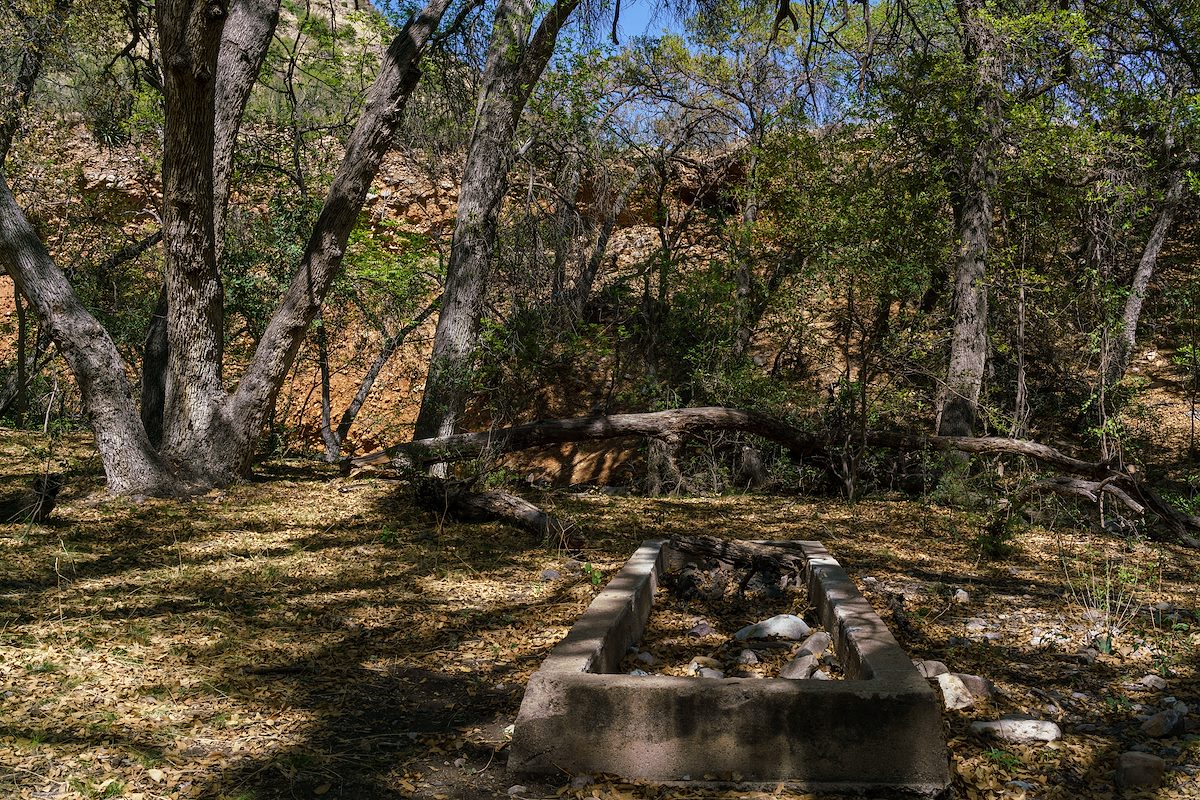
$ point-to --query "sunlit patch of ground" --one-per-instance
(306, 635)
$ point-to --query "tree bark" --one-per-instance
(190, 39)
(130, 461)
(514, 63)
(322, 259)
(244, 44)
(1131, 314)
(968, 344)
(679, 422)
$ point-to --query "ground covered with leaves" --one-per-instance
(305, 635)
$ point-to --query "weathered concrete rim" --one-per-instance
(617, 618)
(880, 729)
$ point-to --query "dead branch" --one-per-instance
(458, 501)
(1089, 490)
(1101, 476)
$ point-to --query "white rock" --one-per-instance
(955, 694)
(1018, 730)
(709, 672)
(782, 626)
(961, 597)
(516, 789)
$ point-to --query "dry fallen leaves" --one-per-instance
(302, 641)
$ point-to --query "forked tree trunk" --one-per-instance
(209, 435)
(322, 259)
(515, 61)
(244, 43)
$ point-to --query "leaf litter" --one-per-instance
(307, 635)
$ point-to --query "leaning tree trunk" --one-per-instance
(244, 44)
(1130, 316)
(515, 61)
(968, 344)
(130, 462)
(369, 143)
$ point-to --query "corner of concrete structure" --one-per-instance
(879, 730)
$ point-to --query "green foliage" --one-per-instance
(1003, 758)
(593, 574)
(262, 254)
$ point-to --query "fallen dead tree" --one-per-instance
(457, 500)
(1087, 479)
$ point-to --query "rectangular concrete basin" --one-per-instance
(879, 730)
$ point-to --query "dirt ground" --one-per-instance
(304, 635)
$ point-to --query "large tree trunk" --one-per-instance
(515, 61)
(193, 425)
(1131, 315)
(130, 462)
(968, 343)
(244, 43)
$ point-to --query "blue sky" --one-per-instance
(636, 20)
